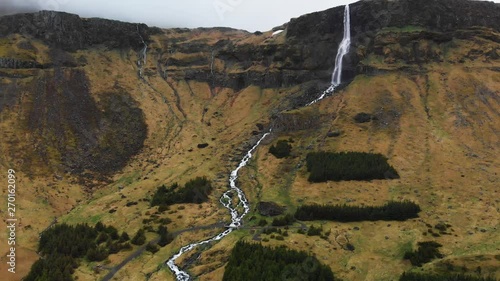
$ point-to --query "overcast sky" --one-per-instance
(251, 15)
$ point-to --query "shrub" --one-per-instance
(363, 117)
(150, 247)
(202, 145)
(194, 191)
(426, 252)
(165, 237)
(314, 231)
(124, 237)
(288, 219)
(97, 254)
(163, 208)
(281, 150)
(139, 238)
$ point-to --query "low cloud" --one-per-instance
(8, 7)
(251, 15)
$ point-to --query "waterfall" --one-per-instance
(226, 200)
(143, 55)
(342, 51)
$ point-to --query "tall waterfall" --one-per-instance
(342, 51)
(226, 199)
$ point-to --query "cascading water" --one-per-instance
(143, 55)
(236, 218)
(226, 200)
(342, 51)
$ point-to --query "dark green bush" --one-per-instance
(363, 117)
(165, 237)
(262, 222)
(426, 252)
(124, 237)
(153, 248)
(194, 191)
(314, 231)
(139, 238)
(281, 150)
(288, 219)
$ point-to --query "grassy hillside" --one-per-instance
(435, 117)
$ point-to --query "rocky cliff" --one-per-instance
(70, 32)
(403, 35)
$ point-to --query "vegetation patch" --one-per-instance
(202, 145)
(62, 246)
(269, 209)
(414, 276)
(194, 191)
(426, 252)
(363, 117)
(73, 131)
(347, 166)
(287, 219)
(256, 262)
(397, 211)
(281, 150)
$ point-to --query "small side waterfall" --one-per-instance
(142, 55)
(342, 51)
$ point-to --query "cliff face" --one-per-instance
(48, 48)
(70, 32)
(369, 16)
(307, 54)
(317, 32)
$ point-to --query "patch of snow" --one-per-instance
(277, 32)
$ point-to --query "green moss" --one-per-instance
(95, 219)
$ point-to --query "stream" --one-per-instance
(226, 200)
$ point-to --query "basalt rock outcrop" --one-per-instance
(307, 54)
(16, 64)
(70, 32)
(315, 34)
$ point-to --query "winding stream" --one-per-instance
(226, 200)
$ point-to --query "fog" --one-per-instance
(250, 15)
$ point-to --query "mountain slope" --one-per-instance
(90, 124)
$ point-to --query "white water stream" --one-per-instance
(226, 200)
